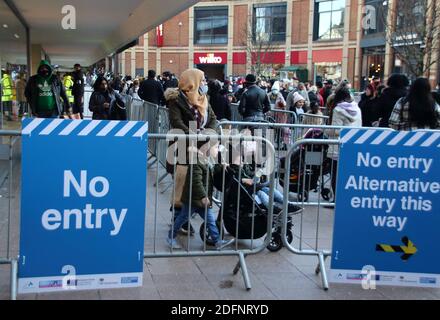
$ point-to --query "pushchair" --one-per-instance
(302, 177)
(249, 217)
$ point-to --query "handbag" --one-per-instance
(179, 180)
(118, 112)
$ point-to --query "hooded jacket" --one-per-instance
(31, 91)
(346, 114)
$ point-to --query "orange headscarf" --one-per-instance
(189, 83)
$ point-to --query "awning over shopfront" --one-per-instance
(102, 26)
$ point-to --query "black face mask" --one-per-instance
(44, 72)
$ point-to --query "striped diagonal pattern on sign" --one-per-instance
(51, 127)
(109, 127)
(31, 126)
(350, 134)
(125, 129)
(68, 130)
(381, 137)
(92, 125)
(430, 141)
(141, 131)
(399, 137)
(365, 136)
(416, 137)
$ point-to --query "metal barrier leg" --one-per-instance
(242, 265)
(151, 164)
(14, 275)
(161, 179)
(321, 268)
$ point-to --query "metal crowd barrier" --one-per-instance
(235, 115)
(8, 167)
(246, 229)
(310, 172)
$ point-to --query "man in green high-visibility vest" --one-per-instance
(44, 92)
(7, 94)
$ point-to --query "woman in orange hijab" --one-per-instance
(189, 104)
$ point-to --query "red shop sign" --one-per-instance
(210, 58)
(159, 35)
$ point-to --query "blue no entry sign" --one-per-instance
(83, 204)
(387, 209)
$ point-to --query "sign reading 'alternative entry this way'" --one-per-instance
(388, 209)
(83, 204)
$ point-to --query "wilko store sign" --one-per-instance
(210, 58)
(159, 35)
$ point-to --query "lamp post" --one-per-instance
(180, 32)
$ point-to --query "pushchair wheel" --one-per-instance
(289, 236)
(303, 196)
(326, 194)
(205, 236)
(276, 243)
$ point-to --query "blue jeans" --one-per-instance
(262, 196)
(182, 218)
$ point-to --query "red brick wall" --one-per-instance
(180, 62)
(239, 69)
(151, 62)
(351, 66)
(171, 30)
(300, 22)
(152, 38)
(240, 24)
(127, 63)
(353, 19)
(139, 60)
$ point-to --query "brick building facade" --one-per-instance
(324, 37)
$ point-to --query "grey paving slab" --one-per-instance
(185, 287)
(70, 295)
(409, 293)
(181, 266)
(230, 287)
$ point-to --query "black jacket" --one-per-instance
(78, 84)
(96, 105)
(254, 103)
(220, 105)
(369, 110)
(386, 103)
(31, 93)
(151, 91)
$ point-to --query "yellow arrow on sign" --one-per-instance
(408, 250)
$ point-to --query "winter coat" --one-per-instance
(96, 105)
(254, 104)
(200, 173)
(151, 91)
(386, 103)
(31, 93)
(345, 114)
(180, 113)
(368, 107)
(221, 106)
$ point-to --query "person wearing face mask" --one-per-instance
(190, 112)
(44, 92)
(275, 97)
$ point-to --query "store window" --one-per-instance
(14, 69)
(377, 10)
(211, 25)
(270, 23)
(329, 19)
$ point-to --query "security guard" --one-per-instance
(7, 94)
(68, 85)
